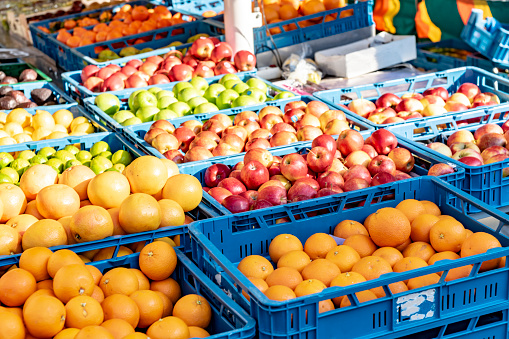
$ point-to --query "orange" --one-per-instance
(411, 208)
(198, 332)
(73, 41)
(158, 260)
(107, 253)
(119, 328)
(442, 256)
(31, 209)
(13, 200)
(419, 249)
(119, 306)
(63, 36)
(279, 293)
(344, 257)
(363, 244)
(36, 178)
(318, 245)
(287, 12)
(44, 316)
(83, 311)
(44, 233)
(404, 245)
(390, 254)
(16, 286)
(169, 327)
(194, 310)
(185, 189)
(467, 231)
(22, 222)
(479, 243)
(286, 276)
(45, 284)
(325, 306)
(421, 226)
(139, 212)
(321, 269)
(389, 227)
(35, 260)
(271, 14)
(259, 284)
(447, 235)
(119, 280)
(372, 267)
(136, 335)
(309, 286)
(117, 229)
(57, 201)
(425, 280)
(255, 266)
(108, 189)
(78, 177)
(71, 281)
(145, 167)
(283, 244)
(167, 305)
(332, 4)
(10, 240)
(172, 213)
(60, 259)
(431, 207)
(98, 294)
(347, 228)
(150, 306)
(458, 272)
(11, 325)
(346, 279)
(294, 259)
(94, 332)
(168, 287)
(140, 13)
(409, 263)
(143, 282)
(362, 296)
(395, 288)
(67, 333)
(91, 223)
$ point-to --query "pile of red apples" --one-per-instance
(207, 57)
(390, 108)
(487, 145)
(220, 136)
(329, 167)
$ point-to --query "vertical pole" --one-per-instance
(238, 21)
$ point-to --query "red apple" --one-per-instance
(383, 141)
(113, 83)
(219, 193)
(308, 133)
(282, 138)
(294, 167)
(330, 179)
(505, 126)
(203, 71)
(499, 158)
(403, 159)
(440, 148)
(236, 204)
(93, 84)
(486, 98)
(238, 131)
(165, 125)
(357, 158)
(89, 71)
(470, 90)
(207, 143)
(370, 150)
(361, 107)
(259, 204)
(222, 51)
(105, 72)
(233, 185)
(492, 151)
(467, 152)
(202, 48)
(460, 136)
(331, 115)
(233, 140)
(325, 141)
(381, 163)
(253, 174)
(136, 81)
(282, 126)
(387, 100)
(151, 134)
(281, 178)
(275, 169)
(471, 161)
(165, 142)
(295, 105)
(174, 156)
(328, 191)
(488, 128)
(215, 173)
(438, 91)
(181, 73)
(357, 171)
(458, 146)
(197, 153)
(269, 120)
(410, 105)
(382, 178)
(316, 108)
(337, 166)
(224, 67)
(190, 61)
(244, 61)
(260, 133)
(251, 196)
(413, 95)
(398, 175)
(355, 184)
(235, 174)
(158, 79)
(249, 126)
(307, 119)
(257, 143)
(452, 106)
(301, 189)
(168, 63)
(293, 115)
(270, 110)
(405, 115)
(440, 169)
(432, 100)
(274, 194)
(349, 141)
(136, 63)
(491, 139)
(260, 155)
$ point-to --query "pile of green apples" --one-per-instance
(99, 158)
(186, 98)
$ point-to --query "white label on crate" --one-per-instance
(416, 306)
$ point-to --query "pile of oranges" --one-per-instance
(413, 235)
(49, 209)
(275, 11)
(128, 21)
(55, 295)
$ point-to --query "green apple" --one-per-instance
(5, 159)
(46, 152)
(166, 101)
(165, 114)
(20, 165)
(196, 101)
(132, 121)
(26, 154)
(257, 83)
(213, 92)
(284, 95)
(181, 108)
(206, 107)
(83, 156)
(73, 149)
(119, 167)
(122, 116)
(230, 76)
(121, 157)
(106, 154)
(230, 83)
(145, 99)
(244, 100)
(225, 99)
(57, 164)
(108, 103)
(187, 94)
(146, 114)
(199, 83)
(38, 159)
(240, 87)
(256, 93)
(133, 95)
(180, 86)
(99, 147)
(164, 93)
(154, 90)
(64, 155)
(10, 172)
(72, 163)
(100, 164)
(5, 179)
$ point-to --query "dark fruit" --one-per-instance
(27, 105)
(42, 95)
(8, 103)
(19, 96)
(28, 75)
(9, 80)
(4, 90)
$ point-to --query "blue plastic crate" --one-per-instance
(477, 60)
(229, 320)
(40, 38)
(136, 133)
(111, 124)
(449, 79)
(424, 160)
(220, 244)
(63, 100)
(434, 61)
(489, 37)
(485, 182)
(196, 8)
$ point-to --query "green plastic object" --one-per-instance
(14, 70)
